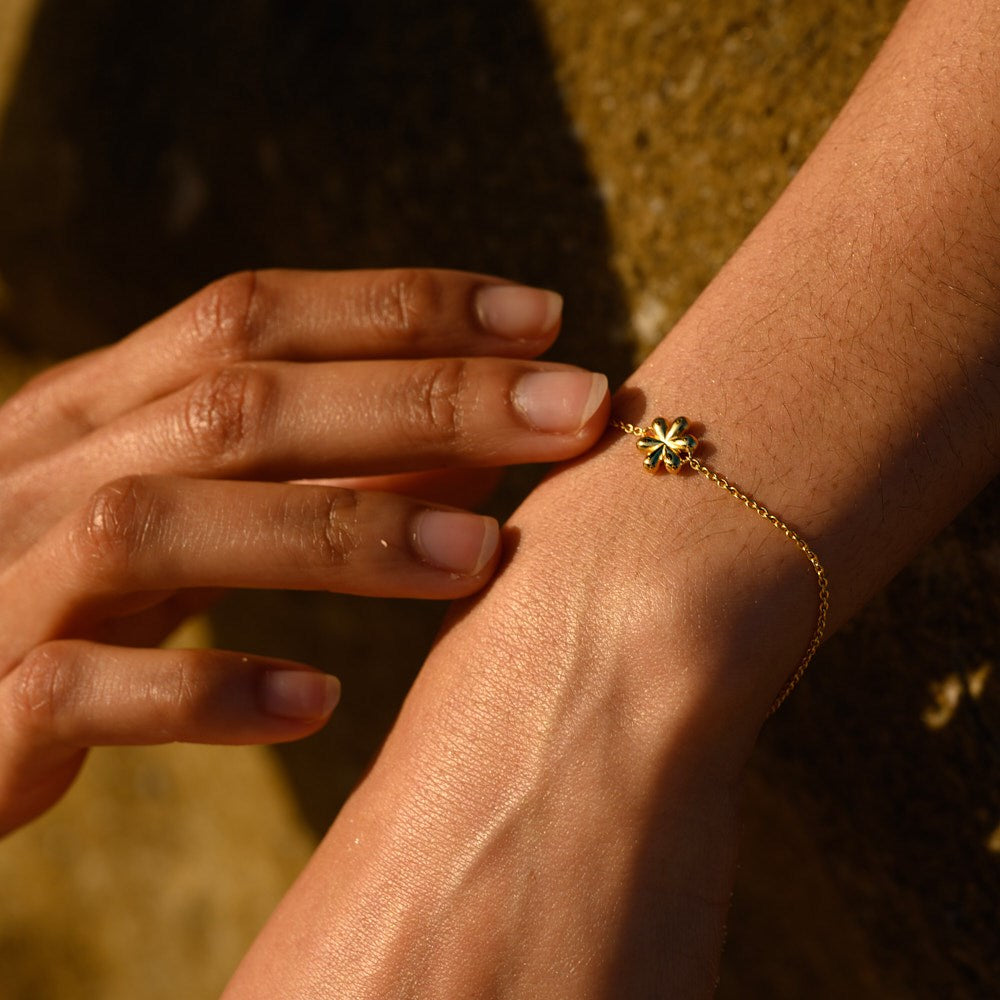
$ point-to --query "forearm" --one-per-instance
(846, 362)
(558, 793)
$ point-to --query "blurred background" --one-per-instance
(616, 150)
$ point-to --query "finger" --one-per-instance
(288, 421)
(292, 315)
(139, 538)
(66, 696)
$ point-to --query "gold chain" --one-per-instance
(667, 446)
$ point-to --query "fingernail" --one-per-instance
(299, 694)
(559, 401)
(455, 541)
(516, 311)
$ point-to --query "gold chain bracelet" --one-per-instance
(668, 446)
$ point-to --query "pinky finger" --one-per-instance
(68, 695)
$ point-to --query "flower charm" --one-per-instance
(668, 447)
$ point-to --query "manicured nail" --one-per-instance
(516, 311)
(455, 541)
(559, 401)
(299, 694)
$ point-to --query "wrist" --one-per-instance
(670, 589)
(576, 721)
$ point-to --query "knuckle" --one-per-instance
(186, 696)
(433, 400)
(336, 528)
(224, 316)
(225, 409)
(404, 302)
(180, 699)
(42, 689)
(116, 523)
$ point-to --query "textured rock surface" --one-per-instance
(618, 152)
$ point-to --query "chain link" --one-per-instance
(790, 533)
(628, 428)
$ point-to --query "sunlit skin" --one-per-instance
(554, 813)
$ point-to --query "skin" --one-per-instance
(554, 813)
(141, 479)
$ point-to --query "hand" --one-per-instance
(140, 479)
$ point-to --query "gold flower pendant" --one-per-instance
(666, 447)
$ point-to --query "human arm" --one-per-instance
(553, 814)
(141, 478)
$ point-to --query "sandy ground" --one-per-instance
(616, 151)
